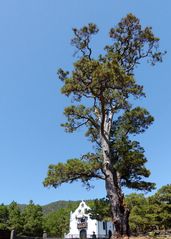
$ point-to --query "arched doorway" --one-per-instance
(83, 234)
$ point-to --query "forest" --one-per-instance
(148, 214)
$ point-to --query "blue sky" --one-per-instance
(34, 42)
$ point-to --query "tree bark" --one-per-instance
(120, 213)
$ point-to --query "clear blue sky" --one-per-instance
(34, 43)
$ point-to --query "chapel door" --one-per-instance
(83, 234)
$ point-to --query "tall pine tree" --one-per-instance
(103, 90)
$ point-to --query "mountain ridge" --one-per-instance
(54, 206)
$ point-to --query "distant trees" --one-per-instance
(162, 202)
(56, 223)
(140, 213)
(3, 217)
(32, 220)
(150, 213)
(28, 222)
(15, 220)
(146, 213)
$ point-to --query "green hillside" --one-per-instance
(54, 206)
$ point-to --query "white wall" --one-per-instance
(93, 225)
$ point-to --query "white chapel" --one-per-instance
(83, 227)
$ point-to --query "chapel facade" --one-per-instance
(83, 227)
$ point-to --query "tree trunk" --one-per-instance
(120, 213)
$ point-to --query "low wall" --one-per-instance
(5, 234)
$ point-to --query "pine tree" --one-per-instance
(32, 220)
(162, 200)
(3, 217)
(14, 218)
(104, 90)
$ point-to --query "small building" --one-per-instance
(82, 226)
